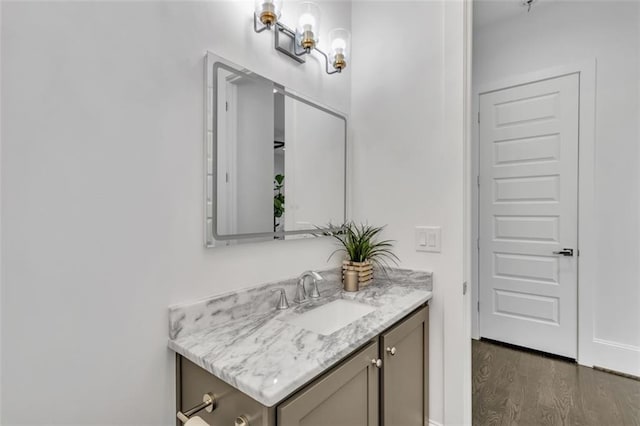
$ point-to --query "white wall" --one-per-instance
(563, 33)
(102, 218)
(407, 171)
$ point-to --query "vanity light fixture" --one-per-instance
(303, 40)
(268, 12)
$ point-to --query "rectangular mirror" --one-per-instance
(276, 161)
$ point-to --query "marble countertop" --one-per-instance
(242, 339)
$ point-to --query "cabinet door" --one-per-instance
(405, 373)
(346, 396)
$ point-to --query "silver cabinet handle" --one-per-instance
(377, 362)
(564, 252)
(391, 350)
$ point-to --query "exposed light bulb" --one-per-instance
(338, 45)
(308, 25)
(307, 22)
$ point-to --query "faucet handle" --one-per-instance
(283, 303)
(315, 293)
(301, 294)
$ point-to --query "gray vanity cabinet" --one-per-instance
(347, 396)
(383, 384)
(405, 373)
(359, 392)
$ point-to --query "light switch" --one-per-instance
(428, 238)
(422, 239)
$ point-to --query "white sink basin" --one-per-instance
(329, 318)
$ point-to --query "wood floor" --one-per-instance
(514, 387)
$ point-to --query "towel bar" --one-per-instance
(208, 403)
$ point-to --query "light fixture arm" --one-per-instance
(289, 32)
(257, 28)
(326, 62)
(292, 50)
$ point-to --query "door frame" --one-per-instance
(230, 194)
(587, 257)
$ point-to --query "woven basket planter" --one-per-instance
(364, 270)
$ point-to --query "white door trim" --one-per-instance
(456, 84)
(587, 71)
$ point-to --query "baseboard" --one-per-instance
(617, 356)
(434, 423)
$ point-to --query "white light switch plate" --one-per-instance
(428, 238)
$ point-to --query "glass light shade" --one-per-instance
(340, 42)
(268, 11)
(308, 24)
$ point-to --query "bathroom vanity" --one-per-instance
(251, 357)
(301, 365)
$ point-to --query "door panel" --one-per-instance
(347, 396)
(405, 377)
(528, 210)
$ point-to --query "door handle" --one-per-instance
(564, 252)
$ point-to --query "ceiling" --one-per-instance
(487, 12)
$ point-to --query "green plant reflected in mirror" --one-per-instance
(278, 201)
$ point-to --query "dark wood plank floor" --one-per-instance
(516, 387)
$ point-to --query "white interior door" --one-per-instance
(528, 211)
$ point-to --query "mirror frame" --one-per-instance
(214, 62)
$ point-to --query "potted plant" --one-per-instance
(278, 200)
(363, 250)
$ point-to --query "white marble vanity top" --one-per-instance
(242, 339)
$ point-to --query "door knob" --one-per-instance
(377, 362)
(242, 421)
(564, 252)
(391, 350)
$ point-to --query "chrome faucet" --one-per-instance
(301, 294)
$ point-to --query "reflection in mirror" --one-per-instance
(244, 141)
(279, 163)
(314, 191)
(275, 161)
